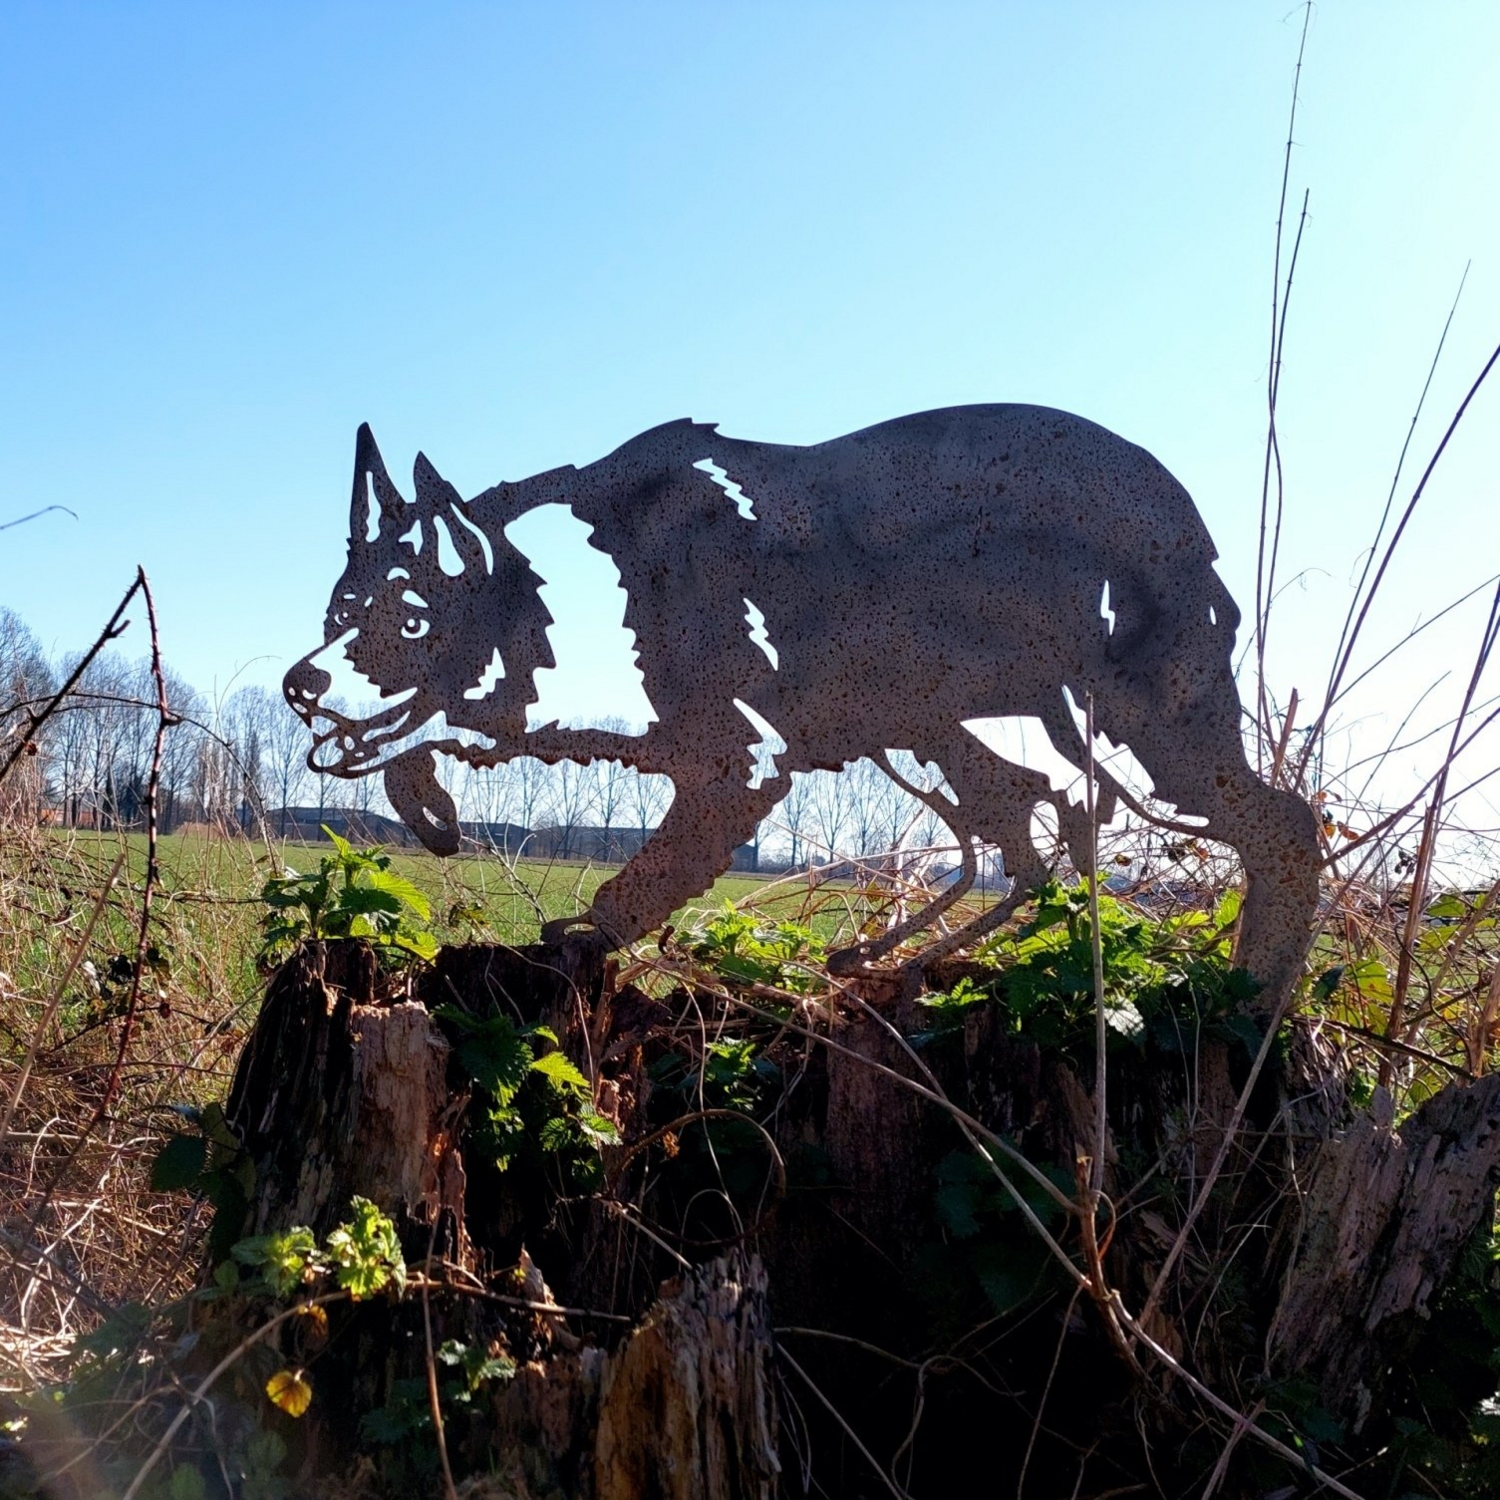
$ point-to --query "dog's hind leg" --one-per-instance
(850, 960)
(998, 799)
(995, 803)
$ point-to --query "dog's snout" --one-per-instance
(304, 684)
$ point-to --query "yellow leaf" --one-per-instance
(291, 1390)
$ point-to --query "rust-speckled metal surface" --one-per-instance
(934, 569)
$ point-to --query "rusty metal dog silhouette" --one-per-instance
(859, 596)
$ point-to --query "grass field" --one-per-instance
(208, 907)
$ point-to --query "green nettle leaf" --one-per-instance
(598, 1128)
(422, 944)
(400, 890)
(265, 1453)
(179, 1163)
(963, 1181)
(1124, 1017)
(289, 1258)
(1245, 1031)
(1228, 908)
(494, 1367)
(1326, 983)
(366, 898)
(345, 849)
(490, 1052)
(562, 1073)
(403, 1415)
(956, 1202)
(1011, 1274)
(477, 1365)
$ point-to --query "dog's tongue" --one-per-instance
(421, 803)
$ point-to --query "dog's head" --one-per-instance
(431, 614)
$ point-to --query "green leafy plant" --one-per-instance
(140, 1351)
(402, 1427)
(354, 893)
(529, 1101)
(1166, 982)
(365, 1252)
(985, 1237)
(742, 949)
(285, 1260)
(476, 1365)
(733, 1073)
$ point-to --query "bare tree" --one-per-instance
(285, 743)
(482, 796)
(248, 722)
(650, 797)
(531, 784)
(880, 811)
(91, 736)
(573, 793)
(25, 678)
(927, 830)
(832, 804)
(794, 812)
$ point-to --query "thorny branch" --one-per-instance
(165, 720)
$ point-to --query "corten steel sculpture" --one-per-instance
(941, 567)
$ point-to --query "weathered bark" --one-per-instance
(337, 1095)
(1382, 1217)
(687, 1408)
(684, 1409)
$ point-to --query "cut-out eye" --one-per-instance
(414, 630)
(341, 618)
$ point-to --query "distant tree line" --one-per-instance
(240, 761)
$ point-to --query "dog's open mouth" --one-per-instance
(351, 747)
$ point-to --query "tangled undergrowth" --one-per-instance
(110, 1173)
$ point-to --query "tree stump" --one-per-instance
(339, 1094)
(687, 1405)
(1319, 1258)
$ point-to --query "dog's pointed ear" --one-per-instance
(434, 493)
(376, 503)
(440, 503)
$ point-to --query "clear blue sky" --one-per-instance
(515, 235)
